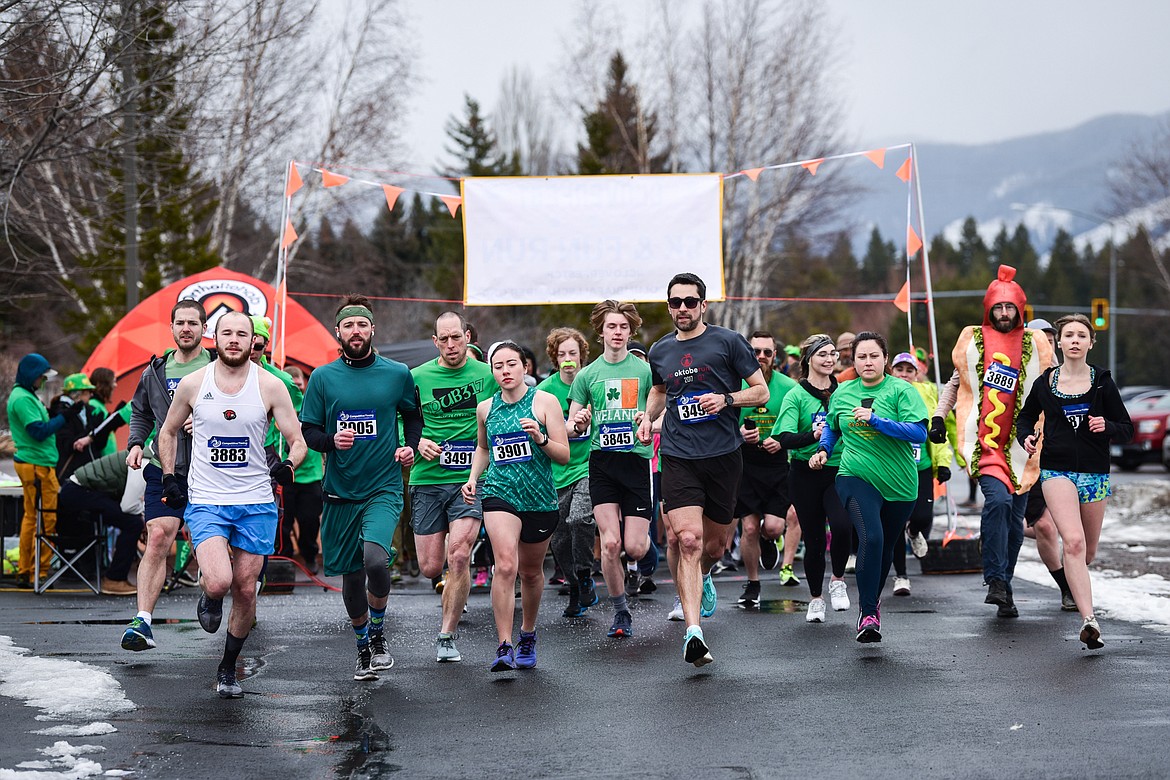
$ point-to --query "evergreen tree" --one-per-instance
(174, 204)
(619, 133)
(876, 267)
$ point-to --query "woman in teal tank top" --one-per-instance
(521, 432)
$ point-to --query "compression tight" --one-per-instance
(814, 495)
(880, 525)
(374, 576)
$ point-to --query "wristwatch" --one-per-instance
(728, 400)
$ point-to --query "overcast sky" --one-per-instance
(963, 71)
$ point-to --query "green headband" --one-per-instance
(355, 311)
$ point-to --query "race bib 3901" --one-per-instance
(515, 447)
(363, 423)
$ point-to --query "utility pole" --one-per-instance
(130, 149)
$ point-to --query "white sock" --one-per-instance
(146, 618)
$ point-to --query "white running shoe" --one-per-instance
(676, 613)
(839, 595)
(851, 564)
(918, 545)
(901, 586)
(816, 611)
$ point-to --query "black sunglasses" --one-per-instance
(257, 347)
(765, 351)
(689, 302)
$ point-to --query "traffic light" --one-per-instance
(1100, 316)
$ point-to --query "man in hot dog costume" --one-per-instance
(995, 366)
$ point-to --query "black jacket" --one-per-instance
(1068, 443)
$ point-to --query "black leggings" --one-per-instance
(814, 496)
(880, 525)
(921, 519)
(374, 576)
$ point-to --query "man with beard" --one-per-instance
(150, 406)
(351, 412)
(845, 369)
(762, 500)
(445, 526)
(995, 366)
(231, 500)
(697, 374)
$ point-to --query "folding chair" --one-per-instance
(69, 549)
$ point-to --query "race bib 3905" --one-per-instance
(363, 423)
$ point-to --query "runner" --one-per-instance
(150, 405)
(875, 419)
(609, 395)
(1083, 415)
(697, 373)
(814, 493)
(763, 487)
(445, 526)
(521, 432)
(231, 499)
(572, 542)
(351, 413)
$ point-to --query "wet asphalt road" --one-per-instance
(951, 692)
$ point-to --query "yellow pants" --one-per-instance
(28, 474)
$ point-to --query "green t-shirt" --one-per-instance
(448, 397)
(883, 461)
(615, 391)
(765, 416)
(365, 400)
(24, 408)
(274, 439)
(174, 374)
(578, 466)
(798, 413)
(100, 413)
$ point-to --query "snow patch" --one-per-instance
(66, 762)
(90, 730)
(63, 689)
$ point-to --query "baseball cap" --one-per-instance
(905, 357)
(637, 348)
(1042, 324)
(78, 381)
(260, 326)
(789, 349)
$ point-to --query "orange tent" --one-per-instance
(144, 332)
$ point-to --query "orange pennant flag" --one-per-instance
(903, 172)
(752, 173)
(913, 242)
(294, 180)
(812, 165)
(392, 194)
(290, 234)
(332, 179)
(877, 157)
(902, 299)
(452, 201)
(940, 490)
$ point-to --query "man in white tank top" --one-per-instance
(231, 501)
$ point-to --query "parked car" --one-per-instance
(1151, 435)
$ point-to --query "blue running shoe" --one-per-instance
(695, 649)
(588, 592)
(710, 597)
(210, 613)
(138, 636)
(574, 611)
(526, 650)
(505, 659)
(623, 625)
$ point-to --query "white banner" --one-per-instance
(582, 239)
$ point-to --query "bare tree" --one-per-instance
(523, 124)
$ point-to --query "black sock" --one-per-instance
(231, 651)
(1061, 580)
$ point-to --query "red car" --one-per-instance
(1151, 435)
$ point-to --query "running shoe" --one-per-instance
(648, 585)
(210, 612)
(901, 586)
(574, 610)
(588, 596)
(440, 582)
(1091, 633)
(1067, 602)
(380, 658)
(138, 636)
(226, 685)
(788, 576)
(816, 611)
(722, 565)
(997, 593)
(751, 595)
(633, 581)
(710, 598)
(481, 578)
(851, 564)
(396, 574)
(186, 579)
(445, 650)
(769, 553)
(526, 650)
(676, 612)
(623, 625)
(505, 659)
(869, 629)
(1007, 610)
(695, 650)
(362, 669)
(918, 545)
(839, 595)
(799, 554)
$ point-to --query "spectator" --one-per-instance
(77, 443)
